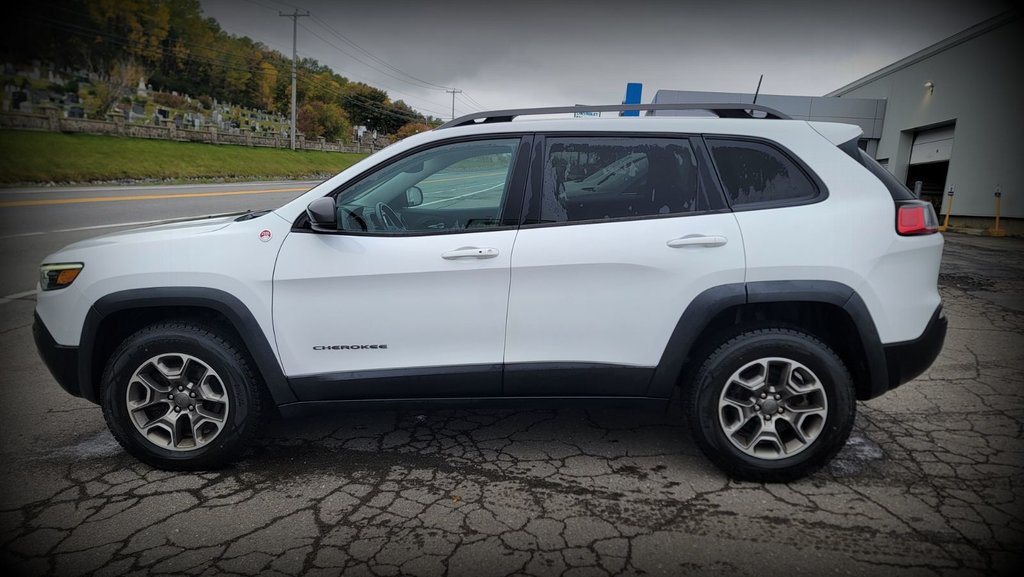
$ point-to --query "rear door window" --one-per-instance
(610, 178)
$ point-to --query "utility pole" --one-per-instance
(453, 92)
(295, 56)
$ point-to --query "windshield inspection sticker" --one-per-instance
(265, 235)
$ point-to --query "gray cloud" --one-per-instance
(530, 53)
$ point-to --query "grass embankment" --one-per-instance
(49, 157)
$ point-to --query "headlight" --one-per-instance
(58, 276)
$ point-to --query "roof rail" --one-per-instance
(722, 109)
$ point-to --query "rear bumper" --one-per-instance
(61, 360)
(908, 359)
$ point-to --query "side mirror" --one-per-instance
(323, 217)
(413, 196)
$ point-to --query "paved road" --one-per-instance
(35, 222)
(932, 482)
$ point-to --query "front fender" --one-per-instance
(231, 308)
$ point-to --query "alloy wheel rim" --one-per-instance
(177, 402)
(773, 408)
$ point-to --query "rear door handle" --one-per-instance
(470, 252)
(708, 240)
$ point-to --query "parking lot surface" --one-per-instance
(931, 482)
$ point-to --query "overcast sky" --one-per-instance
(523, 53)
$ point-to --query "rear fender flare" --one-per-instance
(708, 304)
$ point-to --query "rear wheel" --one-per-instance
(771, 405)
(179, 395)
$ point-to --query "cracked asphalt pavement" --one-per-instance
(930, 483)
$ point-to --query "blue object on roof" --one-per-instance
(633, 91)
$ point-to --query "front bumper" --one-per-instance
(907, 360)
(61, 360)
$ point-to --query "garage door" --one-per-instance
(934, 145)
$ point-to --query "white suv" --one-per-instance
(766, 266)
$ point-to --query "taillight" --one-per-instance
(916, 217)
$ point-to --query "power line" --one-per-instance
(426, 84)
(416, 82)
(368, 105)
(262, 5)
(83, 31)
(286, 4)
(331, 44)
(474, 101)
(359, 100)
(121, 41)
(469, 104)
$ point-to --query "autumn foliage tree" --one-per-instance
(412, 128)
(176, 49)
(323, 119)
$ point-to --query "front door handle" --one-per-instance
(470, 252)
(698, 240)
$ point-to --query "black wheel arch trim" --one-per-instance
(61, 360)
(713, 301)
(691, 324)
(227, 305)
(909, 359)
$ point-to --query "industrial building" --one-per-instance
(946, 117)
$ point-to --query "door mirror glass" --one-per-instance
(322, 215)
(413, 196)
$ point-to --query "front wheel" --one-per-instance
(180, 396)
(771, 405)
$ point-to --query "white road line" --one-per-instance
(158, 187)
(102, 226)
(21, 235)
(16, 296)
(464, 195)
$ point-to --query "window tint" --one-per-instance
(449, 188)
(753, 172)
(610, 178)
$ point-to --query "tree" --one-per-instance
(323, 119)
(267, 84)
(365, 104)
(412, 128)
(398, 114)
(122, 78)
(184, 52)
(144, 24)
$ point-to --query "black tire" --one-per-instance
(702, 398)
(208, 344)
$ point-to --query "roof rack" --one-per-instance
(722, 109)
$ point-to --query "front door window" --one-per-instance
(451, 188)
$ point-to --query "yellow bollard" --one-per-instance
(996, 231)
(949, 209)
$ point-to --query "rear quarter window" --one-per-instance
(756, 174)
